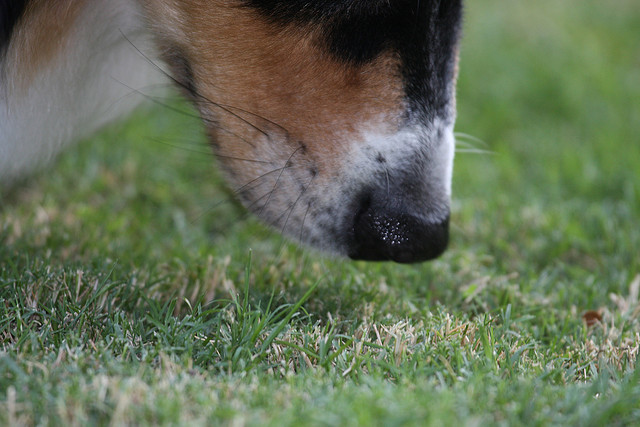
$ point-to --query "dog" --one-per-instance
(333, 119)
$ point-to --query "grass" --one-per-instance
(132, 291)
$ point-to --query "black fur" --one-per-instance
(423, 33)
(10, 13)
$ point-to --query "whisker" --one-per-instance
(288, 212)
(271, 122)
(256, 201)
(180, 147)
(208, 153)
(170, 107)
(242, 119)
(469, 137)
(223, 107)
(244, 213)
(293, 206)
(244, 186)
(466, 143)
(236, 192)
(464, 147)
(304, 218)
(474, 151)
(286, 165)
(242, 159)
(139, 90)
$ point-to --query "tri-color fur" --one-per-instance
(333, 119)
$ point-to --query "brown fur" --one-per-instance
(306, 97)
(47, 28)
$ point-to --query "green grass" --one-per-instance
(133, 290)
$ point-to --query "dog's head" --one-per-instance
(333, 118)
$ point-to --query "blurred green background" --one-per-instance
(548, 94)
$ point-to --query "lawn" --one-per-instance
(134, 290)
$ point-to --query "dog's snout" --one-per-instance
(381, 233)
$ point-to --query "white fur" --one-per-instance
(93, 81)
(417, 154)
(435, 142)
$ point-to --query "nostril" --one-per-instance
(380, 235)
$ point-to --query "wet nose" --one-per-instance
(387, 234)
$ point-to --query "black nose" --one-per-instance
(381, 234)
